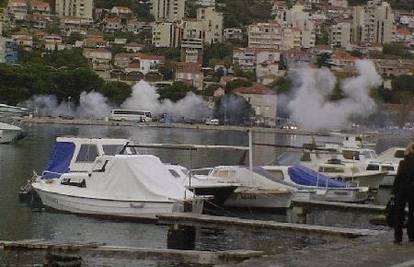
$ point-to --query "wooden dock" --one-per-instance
(333, 213)
(189, 219)
(95, 249)
(340, 206)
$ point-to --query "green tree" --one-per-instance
(218, 53)
(323, 60)
(396, 49)
(73, 37)
(244, 12)
(175, 92)
(282, 85)
(237, 83)
(116, 91)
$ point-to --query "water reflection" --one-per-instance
(18, 161)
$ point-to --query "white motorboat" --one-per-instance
(126, 185)
(203, 185)
(351, 173)
(392, 156)
(323, 187)
(9, 133)
(346, 164)
(256, 190)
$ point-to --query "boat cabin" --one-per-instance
(71, 154)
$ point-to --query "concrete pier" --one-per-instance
(225, 222)
(92, 249)
(333, 213)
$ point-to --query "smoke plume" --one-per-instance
(91, 105)
(310, 106)
(143, 97)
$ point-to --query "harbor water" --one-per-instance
(18, 161)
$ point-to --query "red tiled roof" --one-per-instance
(149, 57)
(40, 4)
(256, 89)
(339, 54)
(133, 44)
(188, 67)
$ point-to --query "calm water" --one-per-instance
(17, 161)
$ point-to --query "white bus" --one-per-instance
(130, 115)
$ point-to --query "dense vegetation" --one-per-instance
(140, 9)
(244, 12)
(395, 4)
(20, 82)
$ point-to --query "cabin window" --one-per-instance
(112, 150)
(306, 157)
(387, 168)
(87, 153)
(350, 154)
(174, 173)
(372, 167)
(399, 154)
(277, 174)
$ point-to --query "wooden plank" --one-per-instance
(219, 221)
(338, 205)
(171, 255)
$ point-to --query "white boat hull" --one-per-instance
(259, 200)
(343, 195)
(8, 136)
(372, 181)
(102, 207)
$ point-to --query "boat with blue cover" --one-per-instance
(107, 177)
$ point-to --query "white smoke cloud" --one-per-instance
(143, 97)
(91, 105)
(310, 108)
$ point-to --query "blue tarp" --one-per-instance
(59, 160)
(307, 177)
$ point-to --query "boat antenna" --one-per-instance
(250, 131)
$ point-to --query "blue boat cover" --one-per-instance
(59, 160)
(307, 177)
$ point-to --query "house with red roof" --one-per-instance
(189, 73)
(263, 101)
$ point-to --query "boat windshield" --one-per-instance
(373, 167)
(112, 150)
(399, 154)
(387, 168)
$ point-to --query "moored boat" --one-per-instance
(120, 185)
(9, 133)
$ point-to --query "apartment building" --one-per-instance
(265, 35)
(170, 10)
(373, 23)
(166, 34)
(212, 22)
(192, 41)
(340, 34)
(74, 8)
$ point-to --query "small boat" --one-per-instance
(324, 187)
(9, 133)
(106, 177)
(258, 189)
(392, 156)
(351, 173)
(203, 185)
